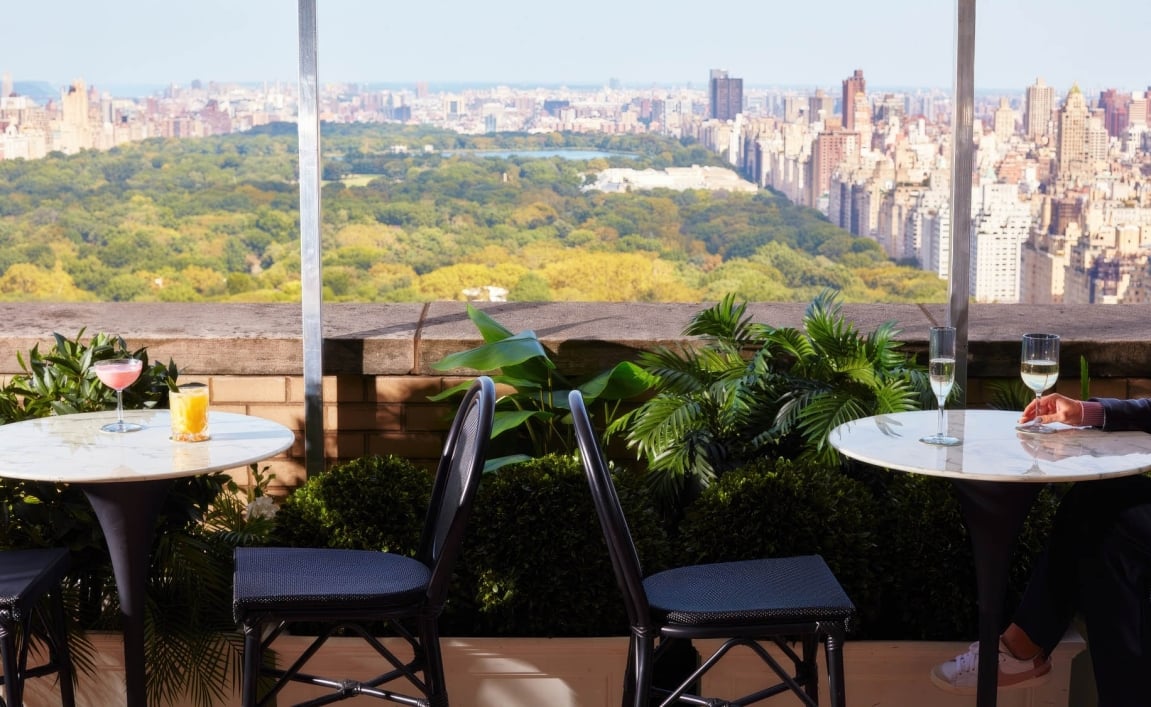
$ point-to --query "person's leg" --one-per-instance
(1051, 599)
(1116, 593)
(1086, 514)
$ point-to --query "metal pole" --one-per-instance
(310, 273)
(962, 163)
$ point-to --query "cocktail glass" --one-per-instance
(189, 410)
(118, 374)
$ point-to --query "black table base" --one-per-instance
(994, 513)
(127, 513)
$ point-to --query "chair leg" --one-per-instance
(60, 653)
(639, 668)
(250, 680)
(810, 674)
(433, 663)
(835, 681)
(8, 655)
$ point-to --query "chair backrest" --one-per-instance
(457, 477)
(621, 547)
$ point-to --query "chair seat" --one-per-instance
(287, 580)
(27, 575)
(786, 589)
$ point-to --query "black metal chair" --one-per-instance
(31, 581)
(348, 591)
(749, 603)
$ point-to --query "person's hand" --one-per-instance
(1054, 408)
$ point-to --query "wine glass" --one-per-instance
(941, 372)
(118, 374)
(1039, 368)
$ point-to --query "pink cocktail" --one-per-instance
(118, 374)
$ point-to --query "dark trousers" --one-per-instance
(1098, 563)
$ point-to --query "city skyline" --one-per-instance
(896, 42)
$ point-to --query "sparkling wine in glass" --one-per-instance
(941, 372)
(118, 374)
(1039, 368)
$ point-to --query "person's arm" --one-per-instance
(1133, 414)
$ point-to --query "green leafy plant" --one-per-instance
(535, 411)
(752, 390)
(62, 381)
(244, 516)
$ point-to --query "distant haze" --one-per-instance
(896, 42)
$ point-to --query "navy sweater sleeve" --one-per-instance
(1134, 414)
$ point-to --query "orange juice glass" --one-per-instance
(189, 410)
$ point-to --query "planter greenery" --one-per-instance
(535, 562)
(754, 391)
(371, 503)
(772, 508)
(531, 413)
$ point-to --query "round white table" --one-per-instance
(997, 471)
(126, 477)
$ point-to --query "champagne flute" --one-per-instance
(118, 374)
(1039, 368)
(941, 372)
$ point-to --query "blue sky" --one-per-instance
(766, 42)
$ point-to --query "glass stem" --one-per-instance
(120, 407)
(941, 418)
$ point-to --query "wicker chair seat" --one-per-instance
(321, 578)
(771, 590)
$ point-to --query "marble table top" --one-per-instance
(73, 448)
(992, 449)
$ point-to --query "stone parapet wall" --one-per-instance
(378, 357)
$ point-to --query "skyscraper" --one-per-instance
(1115, 106)
(1071, 156)
(819, 106)
(726, 95)
(1040, 103)
(852, 85)
(1003, 122)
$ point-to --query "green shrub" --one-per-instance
(773, 508)
(535, 562)
(371, 503)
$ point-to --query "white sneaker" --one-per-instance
(959, 676)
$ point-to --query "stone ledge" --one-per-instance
(406, 339)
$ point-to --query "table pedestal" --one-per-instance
(994, 514)
(127, 512)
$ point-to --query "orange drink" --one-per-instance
(189, 410)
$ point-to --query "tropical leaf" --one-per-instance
(489, 328)
(496, 355)
(622, 381)
(533, 418)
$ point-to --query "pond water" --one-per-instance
(566, 154)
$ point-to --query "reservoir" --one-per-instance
(530, 154)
